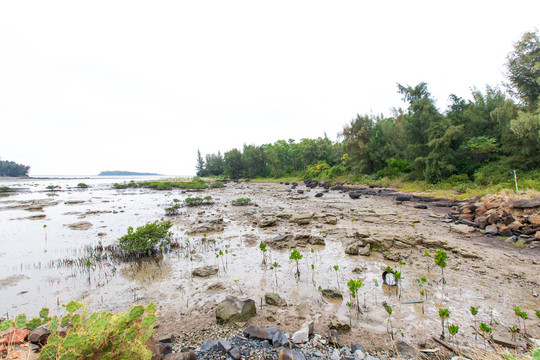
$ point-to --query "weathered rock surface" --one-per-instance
(208, 225)
(267, 221)
(302, 219)
(274, 299)
(205, 271)
(332, 294)
(83, 225)
(233, 310)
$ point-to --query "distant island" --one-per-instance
(124, 173)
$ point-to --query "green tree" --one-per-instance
(233, 163)
(199, 167)
(357, 135)
(523, 69)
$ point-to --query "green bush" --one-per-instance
(53, 187)
(173, 210)
(147, 238)
(197, 201)
(241, 201)
(101, 335)
(493, 173)
(82, 185)
(4, 188)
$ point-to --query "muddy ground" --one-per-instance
(481, 271)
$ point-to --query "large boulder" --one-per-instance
(233, 310)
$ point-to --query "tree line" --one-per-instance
(12, 169)
(492, 132)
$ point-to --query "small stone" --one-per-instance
(233, 310)
(224, 346)
(235, 353)
(332, 294)
(209, 344)
(39, 335)
(166, 338)
(274, 299)
(334, 338)
(205, 271)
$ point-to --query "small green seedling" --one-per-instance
(485, 329)
(453, 330)
(440, 260)
(336, 268)
(262, 246)
(474, 312)
(443, 314)
(388, 309)
(296, 256)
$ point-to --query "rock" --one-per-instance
(235, 353)
(280, 339)
(534, 220)
(334, 339)
(359, 354)
(39, 335)
(509, 343)
(302, 219)
(354, 194)
(330, 219)
(365, 251)
(420, 206)
(354, 248)
(300, 191)
(224, 346)
(208, 225)
(407, 351)
(461, 229)
(403, 198)
(267, 221)
(527, 204)
(481, 221)
(83, 225)
(515, 226)
(505, 231)
(339, 326)
(188, 355)
(332, 294)
(493, 218)
(288, 354)
(166, 338)
(357, 347)
(317, 195)
(215, 287)
(492, 229)
(233, 310)
(258, 332)
(316, 240)
(209, 345)
(163, 348)
(205, 271)
(274, 299)
(302, 335)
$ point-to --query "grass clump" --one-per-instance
(194, 184)
(241, 201)
(53, 187)
(172, 210)
(198, 201)
(4, 189)
(147, 239)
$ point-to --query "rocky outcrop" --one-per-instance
(207, 225)
(205, 271)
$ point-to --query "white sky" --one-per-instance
(87, 86)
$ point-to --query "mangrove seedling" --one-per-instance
(354, 286)
(521, 315)
(147, 238)
(537, 314)
(485, 329)
(275, 266)
(453, 330)
(82, 185)
(513, 332)
(296, 256)
(241, 201)
(53, 187)
(262, 246)
(336, 268)
(397, 275)
(440, 260)
(491, 316)
(443, 314)
(474, 312)
(388, 309)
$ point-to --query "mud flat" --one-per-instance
(43, 261)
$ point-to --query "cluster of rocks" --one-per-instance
(517, 220)
(258, 342)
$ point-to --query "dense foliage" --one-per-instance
(146, 239)
(12, 169)
(482, 138)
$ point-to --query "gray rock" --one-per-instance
(262, 333)
(235, 353)
(166, 338)
(267, 221)
(365, 251)
(335, 355)
(407, 351)
(330, 219)
(354, 248)
(492, 229)
(205, 271)
(188, 355)
(359, 354)
(163, 348)
(280, 339)
(334, 339)
(527, 204)
(301, 336)
(209, 344)
(302, 219)
(224, 346)
(39, 335)
(332, 293)
(316, 240)
(233, 310)
(274, 299)
(355, 347)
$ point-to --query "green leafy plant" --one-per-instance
(296, 256)
(172, 210)
(354, 286)
(53, 187)
(440, 260)
(21, 321)
(485, 329)
(474, 312)
(82, 185)
(521, 315)
(389, 311)
(198, 201)
(513, 332)
(147, 238)
(100, 335)
(241, 201)
(4, 189)
(262, 246)
(443, 314)
(336, 269)
(453, 330)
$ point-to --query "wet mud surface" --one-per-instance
(46, 240)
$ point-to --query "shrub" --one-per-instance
(173, 210)
(82, 185)
(53, 187)
(101, 335)
(241, 201)
(217, 184)
(4, 188)
(147, 238)
(197, 201)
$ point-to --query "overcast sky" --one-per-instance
(87, 86)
